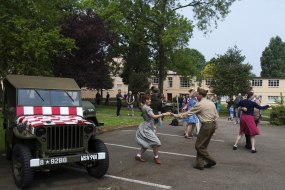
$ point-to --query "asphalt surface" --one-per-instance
(235, 170)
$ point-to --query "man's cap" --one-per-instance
(202, 91)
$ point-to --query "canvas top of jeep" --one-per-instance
(39, 101)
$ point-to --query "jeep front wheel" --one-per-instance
(100, 167)
(22, 172)
(8, 150)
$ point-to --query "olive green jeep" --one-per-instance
(45, 127)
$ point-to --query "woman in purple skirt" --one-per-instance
(247, 124)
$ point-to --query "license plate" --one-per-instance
(53, 161)
(89, 157)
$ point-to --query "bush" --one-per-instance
(277, 115)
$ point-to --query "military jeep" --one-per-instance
(45, 128)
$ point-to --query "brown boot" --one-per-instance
(139, 158)
(157, 160)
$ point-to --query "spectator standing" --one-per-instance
(107, 98)
(98, 97)
(236, 109)
(217, 103)
(130, 99)
(119, 99)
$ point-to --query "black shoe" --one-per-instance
(209, 165)
(253, 151)
(234, 147)
(198, 168)
(247, 147)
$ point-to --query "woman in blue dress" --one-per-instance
(192, 120)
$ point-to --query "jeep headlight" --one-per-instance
(88, 129)
(40, 131)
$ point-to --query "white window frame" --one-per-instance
(184, 82)
(170, 82)
(155, 80)
(208, 82)
(256, 82)
(272, 99)
(119, 86)
(273, 83)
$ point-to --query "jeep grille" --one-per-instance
(65, 137)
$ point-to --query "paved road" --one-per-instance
(236, 170)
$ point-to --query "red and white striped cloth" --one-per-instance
(41, 110)
(36, 121)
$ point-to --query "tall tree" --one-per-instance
(30, 36)
(187, 62)
(86, 63)
(273, 59)
(230, 76)
(164, 28)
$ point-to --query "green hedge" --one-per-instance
(277, 115)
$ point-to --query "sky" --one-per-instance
(250, 25)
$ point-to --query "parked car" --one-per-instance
(45, 126)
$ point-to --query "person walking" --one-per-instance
(98, 97)
(207, 114)
(130, 99)
(119, 98)
(230, 108)
(107, 98)
(191, 120)
(247, 124)
(145, 135)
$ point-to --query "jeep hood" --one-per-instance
(35, 121)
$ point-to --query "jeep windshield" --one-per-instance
(39, 97)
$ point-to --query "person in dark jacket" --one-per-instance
(247, 124)
(156, 103)
(119, 99)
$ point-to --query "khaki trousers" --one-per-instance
(206, 132)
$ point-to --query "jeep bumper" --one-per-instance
(38, 162)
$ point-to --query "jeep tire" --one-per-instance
(8, 150)
(100, 167)
(22, 172)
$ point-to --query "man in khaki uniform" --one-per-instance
(207, 114)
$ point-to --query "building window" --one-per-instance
(170, 82)
(119, 86)
(209, 81)
(273, 83)
(155, 80)
(256, 82)
(184, 82)
(272, 99)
